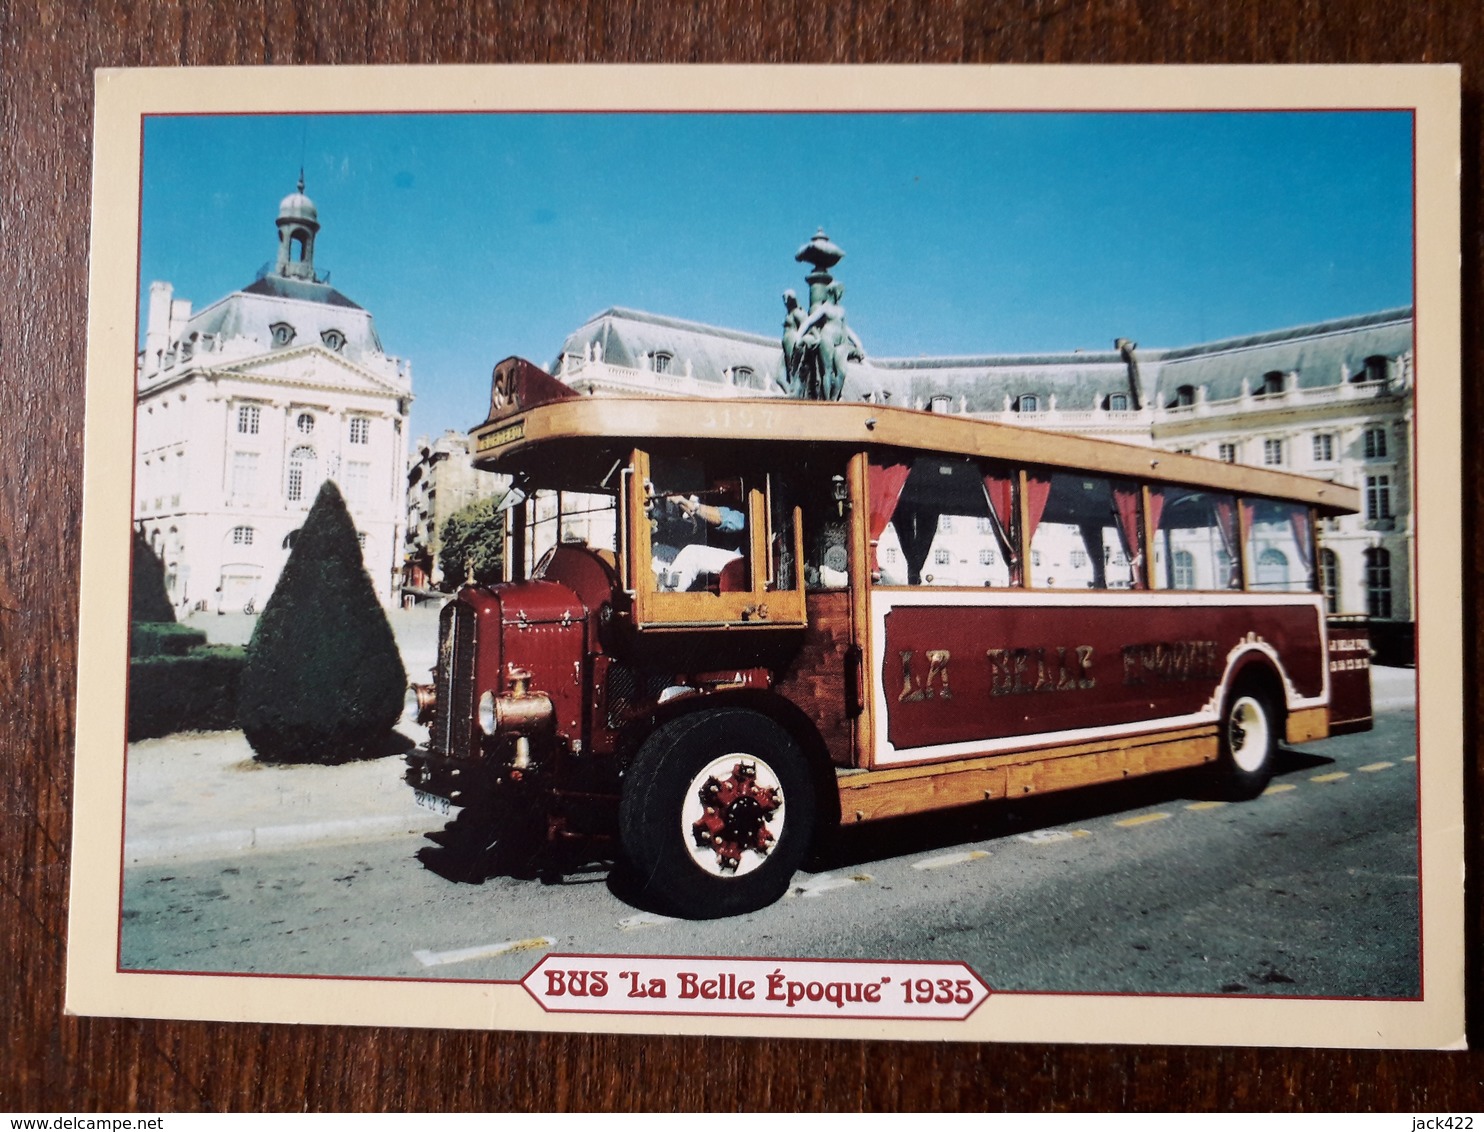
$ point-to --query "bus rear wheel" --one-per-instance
(716, 814)
(1250, 726)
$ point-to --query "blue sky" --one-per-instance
(471, 237)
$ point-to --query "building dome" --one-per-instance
(297, 206)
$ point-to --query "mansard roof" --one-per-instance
(624, 335)
(1321, 354)
(283, 287)
(252, 312)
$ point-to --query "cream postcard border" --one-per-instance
(95, 987)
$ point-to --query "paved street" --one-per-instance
(1308, 890)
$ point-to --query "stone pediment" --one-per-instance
(314, 367)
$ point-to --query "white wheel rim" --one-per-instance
(1248, 734)
(712, 857)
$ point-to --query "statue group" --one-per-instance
(817, 343)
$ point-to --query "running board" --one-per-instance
(872, 795)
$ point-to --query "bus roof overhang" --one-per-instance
(526, 435)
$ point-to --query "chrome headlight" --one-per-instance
(487, 719)
(417, 704)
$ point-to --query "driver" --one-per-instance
(697, 557)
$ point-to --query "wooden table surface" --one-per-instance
(48, 51)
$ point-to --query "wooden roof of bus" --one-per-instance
(499, 442)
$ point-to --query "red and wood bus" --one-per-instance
(730, 625)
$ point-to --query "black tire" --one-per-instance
(1250, 726)
(663, 816)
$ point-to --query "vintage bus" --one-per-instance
(730, 625)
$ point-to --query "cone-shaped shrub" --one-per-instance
(324, 681)
(148, 600)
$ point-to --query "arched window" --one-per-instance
(302, 468)
(333, 339)
(1273, 383)
(1117, 402)
(1329, 579)
(282, 333)
(1028, 403)
(940, 403)
(304, 422)
(1378, 583)
(290, 538)
(1184, 397)
(662, 361)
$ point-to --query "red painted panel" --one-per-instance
(954, 673)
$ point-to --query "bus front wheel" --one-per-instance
(1250, 726)
(716, 814)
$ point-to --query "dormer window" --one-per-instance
(1273, 383)
(662, 361)
(743, 377)
(282, 333)
(940, 403)
(333, 339)
(1184, 397)
(1117, 402)
(1028, 403)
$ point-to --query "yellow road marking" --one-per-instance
(1279, 788)
(1205, 806)
(1142, 819)
(1371, 768)
(1410, 759)
(484, 951)
(1333, 777)
(950, 859)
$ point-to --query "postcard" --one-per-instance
(937, 553)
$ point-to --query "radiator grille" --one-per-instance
(455, 720)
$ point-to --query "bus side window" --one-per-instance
(1195, 539)
(943, 521)
(1085, 532)
(1280, 546)
(820, 497)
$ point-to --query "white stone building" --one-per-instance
(245, 407)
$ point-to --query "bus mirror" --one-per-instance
(513, 498)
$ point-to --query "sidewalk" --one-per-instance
(202, 794)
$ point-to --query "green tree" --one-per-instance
(473, 537)
(148, 600)
(323, 681)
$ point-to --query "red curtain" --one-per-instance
(1303, 534)
(999, 490)
(1037, 491)
(1126, 504)
(884, 487)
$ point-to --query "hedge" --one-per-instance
(163, 638)
(195, 692)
